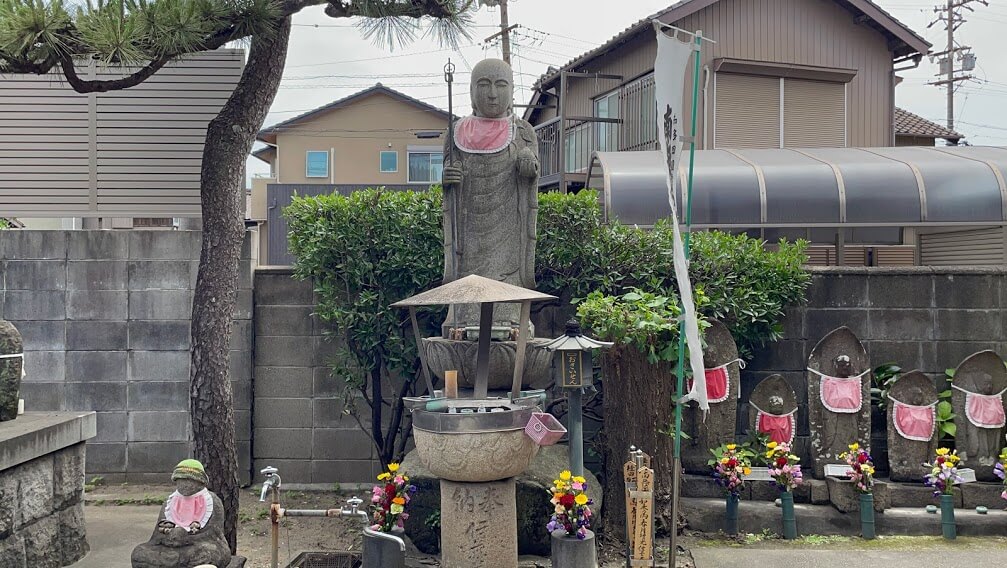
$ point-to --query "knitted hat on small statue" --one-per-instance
(190, 469)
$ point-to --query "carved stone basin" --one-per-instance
(456, 355)
(476, 447)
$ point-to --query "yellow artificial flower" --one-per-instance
(771, 445)
(580, 499)
(724, 461)
(867, 469)
(384, 476)
(942, 451)
(393, 467)
(565, 475)
(770, 453)
(747, 471)
(854, 446)
(579, 479)
(732, 447)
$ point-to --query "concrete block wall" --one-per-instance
(105, 318)
(299, 423)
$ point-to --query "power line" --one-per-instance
(952, 16)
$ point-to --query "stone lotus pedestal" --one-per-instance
(459, 355)
(476, 456)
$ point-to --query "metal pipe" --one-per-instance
(576, 426)
(483, 354)
(311, 513)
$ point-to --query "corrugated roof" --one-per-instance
(909, 124)
(268, 134)
(913, 41)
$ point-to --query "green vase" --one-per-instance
(867, 516)
(948, 517)
(789, 520)
(731, 519)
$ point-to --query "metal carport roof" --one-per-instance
(824, 187)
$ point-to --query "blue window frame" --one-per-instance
(317, 164)
(389, 161)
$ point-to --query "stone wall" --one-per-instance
(926, 318)
(299, 424)
(105, 319)
(42, 489)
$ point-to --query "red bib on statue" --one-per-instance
(841, 394)
(780, 428)
(717, 384)
(477, 135)
(984, 410)
(184, 510)
(914, 422)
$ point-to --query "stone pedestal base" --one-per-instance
(478, 524)
(571, 552)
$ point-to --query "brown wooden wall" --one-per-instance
(806, 32)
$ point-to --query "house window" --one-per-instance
(754, 111)
(638, 109)
(389, 162)
(607, 138)
(426, 167)
(317, 164)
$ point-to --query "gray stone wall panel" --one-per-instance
(97, 336)
(96, 275)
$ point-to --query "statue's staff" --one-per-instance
(449, 77)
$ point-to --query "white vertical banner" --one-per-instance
(673, 56)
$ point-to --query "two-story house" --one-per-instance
(377, 137)
(797, 134)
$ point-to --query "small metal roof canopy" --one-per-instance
(812, 187)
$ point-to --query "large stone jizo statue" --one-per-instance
(977, 393)
(491, 170)
(11, 369)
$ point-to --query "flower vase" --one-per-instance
(867, 516)
(948, 517)
(384, 550)
(731, 519)
(789, 520)
(572, 552)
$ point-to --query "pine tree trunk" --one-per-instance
(637, 408)
(229, 139)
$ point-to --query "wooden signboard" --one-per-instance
(572, 373)
(639, 478)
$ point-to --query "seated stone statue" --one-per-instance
(190, 528)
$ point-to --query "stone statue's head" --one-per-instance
(492, 89)
(844, 367)
(189, 477)
(776, 403)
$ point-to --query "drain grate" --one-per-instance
(327, 560)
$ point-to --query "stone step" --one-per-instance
(707, 515)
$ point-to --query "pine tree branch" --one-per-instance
(96, 86)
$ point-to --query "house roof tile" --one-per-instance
(909, 124)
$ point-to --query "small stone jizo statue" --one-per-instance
(190, 528)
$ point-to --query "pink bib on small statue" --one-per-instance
(478, 135)
(914, 422)
(841, 394)
(779, 427)
(984, 410)
(185, 510)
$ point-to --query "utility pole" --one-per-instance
(505, 28)
(951, 15)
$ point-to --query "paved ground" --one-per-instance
(112, 533)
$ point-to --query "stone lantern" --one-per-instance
(574, 373)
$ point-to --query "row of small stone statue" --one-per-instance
(839, 408)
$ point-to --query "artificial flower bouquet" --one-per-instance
(783, 466)
(730, 465)
(572, 511)
(861, 471)
(390, 498)
(943, 474)
(999, 470)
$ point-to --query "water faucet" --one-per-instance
(272, 482)
(352, 509)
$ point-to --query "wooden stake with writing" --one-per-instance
(643, 544)
(629, 475)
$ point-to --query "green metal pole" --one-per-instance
(676, 473)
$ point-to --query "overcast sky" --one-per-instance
(329, 59)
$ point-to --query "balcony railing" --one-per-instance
(638, 131)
